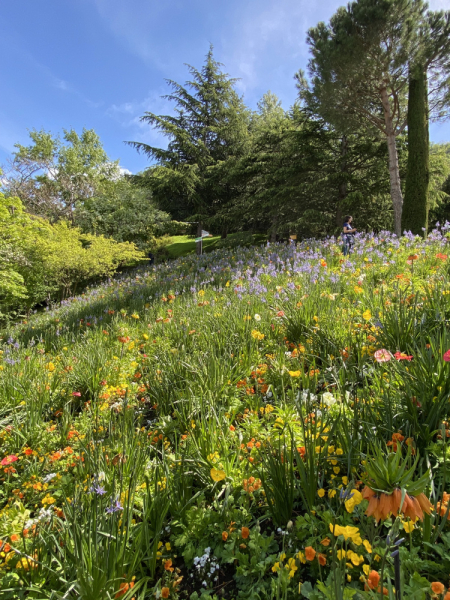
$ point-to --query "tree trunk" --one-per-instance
(224, 233)
(415, 209)
(273, 230)
(343, 186)
(394, 173)
(198, 245)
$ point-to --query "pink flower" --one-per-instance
(401, 356)
(382, 356)
(78, 394)
(446, 356)
(9, 459)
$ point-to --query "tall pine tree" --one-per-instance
(210, 127)
(360, 72)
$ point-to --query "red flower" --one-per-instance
(446, 356)
(402, 356)
(77, 394)
(9, 459)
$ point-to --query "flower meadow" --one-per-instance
(258, 423)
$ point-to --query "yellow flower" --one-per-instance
(301, 557)
(366, 569)
(408, 526)
(50, 367)
(321, 493)
(348, 532)
(367, 315)
(276, 567)
(339, 451)
(217, 474)
(345, 480)
(292, 567)
(331, 493)
(295, 373)
(358, 290)
(257, 335)
(201, 292)
(356, 559)
(340, 554)
(353, 501)
(367, 546)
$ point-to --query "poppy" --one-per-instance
(9, 459)
(310, 553)
(373, 580)
(437, 587)
(245, 532)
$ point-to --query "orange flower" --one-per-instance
(437, 587)
(373, 580)
(322, 559)
(325, 541)
(168, 565)
(310, 553)
(123, 589)
(224, 535)
(28, 451)
(447, 596)
(245, 532)
(14, 538)
(165, 592)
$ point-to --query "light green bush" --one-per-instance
(43, 262)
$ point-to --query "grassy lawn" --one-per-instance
(181, 245)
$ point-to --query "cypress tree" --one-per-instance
(415, 204)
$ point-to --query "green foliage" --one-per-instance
(210, 128)
(415, 206)
(42, 262)
(51, 175)
(360, 72)
(125, 213)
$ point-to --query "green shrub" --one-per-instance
(43, 262)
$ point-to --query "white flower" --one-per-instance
(328, 399)
(257, 317)
(49, 477)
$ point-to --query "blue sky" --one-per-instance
(102, 63)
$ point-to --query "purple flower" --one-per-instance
(98, 489)
(114, 507)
